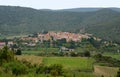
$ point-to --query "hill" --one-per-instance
(89, 9)
(102, 22)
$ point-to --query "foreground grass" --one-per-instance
(74, 66)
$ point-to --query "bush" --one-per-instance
(6, 55)
(87, 54)
(42, 69)
(73, 54)
(17, 68)
(18, 52)
(56, 69)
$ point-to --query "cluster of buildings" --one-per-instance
(56, 36)
(48, 36)
(60, 35)
(2, 44)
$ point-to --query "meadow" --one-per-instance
(39, 51)
(114, 55)
(80, 63)
(73, 66)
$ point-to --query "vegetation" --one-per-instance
(35, 66)
(105, 71)
(107, 61)
(18, 20)
(118, 73)
(6, 55)
(73, 63)
(80, 59)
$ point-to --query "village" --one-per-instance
(49, 36)
(56, 36)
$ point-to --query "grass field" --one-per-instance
(76, 66)
(114, 55)
(31, 52)
(30, 58)
(40, 50)
(81, 63)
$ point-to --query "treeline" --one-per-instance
(106, 61)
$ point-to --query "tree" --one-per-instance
(6, 55)
(18, 52)
(94, 42)
(87, 54)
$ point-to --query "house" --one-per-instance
(10, 43)
(62, 49)
(2, 44)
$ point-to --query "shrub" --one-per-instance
(17, 68)
(6, 55)
(87, 54)
(18, 52)
(42, 69)
(73, 54)
(56, 69)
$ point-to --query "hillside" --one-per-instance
(102, 22)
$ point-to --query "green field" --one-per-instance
(76, 66)
(73, 66)
(40, 50)
(81, 63)
(81, 66)
(114, 55)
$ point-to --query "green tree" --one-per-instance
(18, 52)
(16, 68)
(6, 55)
(87, 54)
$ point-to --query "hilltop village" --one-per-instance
(53, 39)
(32, 40)
(57, 36)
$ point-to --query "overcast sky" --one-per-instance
(61, 4)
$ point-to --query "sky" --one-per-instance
(61, 4)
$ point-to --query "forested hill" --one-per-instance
(103, 22)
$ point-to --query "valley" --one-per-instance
(78, 42)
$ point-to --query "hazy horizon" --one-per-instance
(62, 4)
(57, 9)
